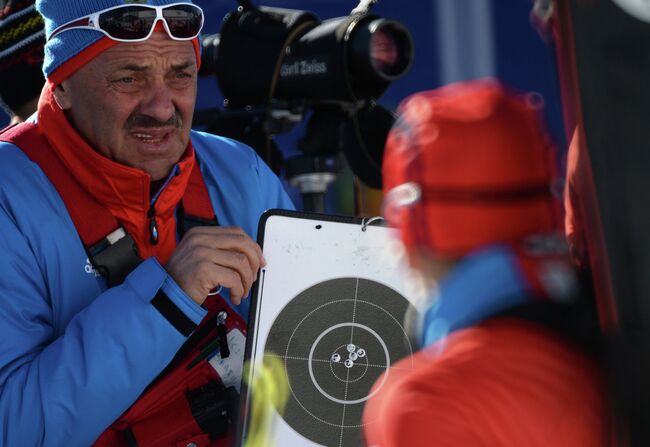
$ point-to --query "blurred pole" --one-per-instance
(465, 39)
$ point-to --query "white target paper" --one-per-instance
(330, 306)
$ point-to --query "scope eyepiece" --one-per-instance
(391, 48)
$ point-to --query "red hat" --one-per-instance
(467, 165)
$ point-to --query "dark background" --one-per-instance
(454, 40)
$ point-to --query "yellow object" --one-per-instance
(270, 392)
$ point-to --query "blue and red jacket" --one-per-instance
(494, 368)
(75, 354)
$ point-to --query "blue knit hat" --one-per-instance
(70, 43)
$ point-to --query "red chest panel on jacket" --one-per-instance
(191, 403)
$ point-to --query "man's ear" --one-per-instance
(62, 96)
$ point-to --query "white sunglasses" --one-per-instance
(135, 23)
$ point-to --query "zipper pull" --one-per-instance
(153, 227)
(222, 334)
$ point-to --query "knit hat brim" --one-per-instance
(77, 43)
(73, 64)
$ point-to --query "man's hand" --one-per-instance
(209, 257)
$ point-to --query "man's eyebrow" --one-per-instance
(142, 68)
(133, 67)
(183, 65)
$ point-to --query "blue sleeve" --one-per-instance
(240, 184)
(66, 389)
(271, 188)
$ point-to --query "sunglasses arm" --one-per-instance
(82, 22)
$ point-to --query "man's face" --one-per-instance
(134, 102)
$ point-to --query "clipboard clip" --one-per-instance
(368, 220)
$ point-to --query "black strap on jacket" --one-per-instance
(576, 320)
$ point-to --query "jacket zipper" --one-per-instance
(222, 334)
(151, 213)
(153, 226)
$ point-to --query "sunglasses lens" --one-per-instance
(135, 22)
(184, 21)
(128, 23)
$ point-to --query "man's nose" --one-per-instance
(158, 102)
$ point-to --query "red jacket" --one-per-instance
(503, 383)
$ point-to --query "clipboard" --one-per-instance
(327, 316)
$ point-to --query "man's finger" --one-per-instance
(236, 261)
(231, 280)
(233, 243)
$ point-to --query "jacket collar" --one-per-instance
(493, 280)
